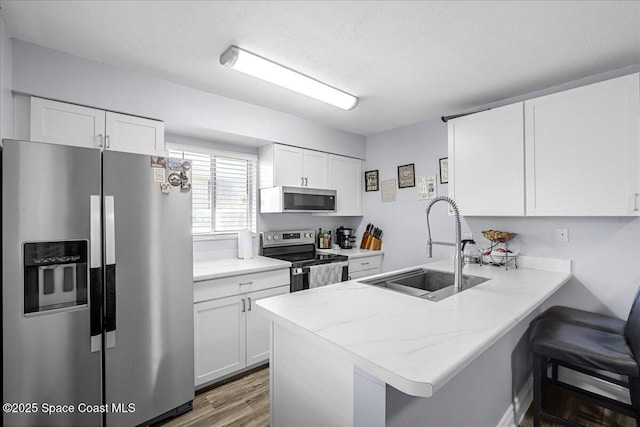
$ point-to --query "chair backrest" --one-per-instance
(632, 328)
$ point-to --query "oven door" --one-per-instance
(300, 277)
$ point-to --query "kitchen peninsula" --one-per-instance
(356, 354)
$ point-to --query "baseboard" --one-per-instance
(518, 408)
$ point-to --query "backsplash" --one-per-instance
(225, 248)
(605, 252)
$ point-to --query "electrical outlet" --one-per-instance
(562, 235)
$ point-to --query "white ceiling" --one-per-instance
(407, 61)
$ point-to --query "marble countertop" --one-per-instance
(351, 253)
(226, 267)
(413, 344)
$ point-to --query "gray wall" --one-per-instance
(403, 221)
(605, 251)
(6, 104)
(52, 74)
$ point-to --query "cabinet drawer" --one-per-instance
(364, 273)
(234, 285)
(364, 263)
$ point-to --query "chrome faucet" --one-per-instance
(458, 255)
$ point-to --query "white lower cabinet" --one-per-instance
(365, 266)
(230, 335)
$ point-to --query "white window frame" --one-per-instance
(223, 153)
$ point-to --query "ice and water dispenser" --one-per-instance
(55, 275)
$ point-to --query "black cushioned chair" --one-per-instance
(588, 343)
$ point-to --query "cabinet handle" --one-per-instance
(249, 303)
(306, 182)
(635, 202)
(364, 263)
(106, 137)
(246, 283)
(100, 140)
(301, 181)
(243, 306)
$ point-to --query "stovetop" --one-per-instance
(297, 247)
(304, 259)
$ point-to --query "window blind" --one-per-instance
(223, 187)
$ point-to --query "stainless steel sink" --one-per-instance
(428, 284)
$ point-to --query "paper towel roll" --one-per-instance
(245, 245)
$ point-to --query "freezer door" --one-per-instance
(149, 291)
(46, 249)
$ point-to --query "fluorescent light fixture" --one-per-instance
(256, 66)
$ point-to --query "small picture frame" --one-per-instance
(371, 181)
(406, 176)
(444, 170)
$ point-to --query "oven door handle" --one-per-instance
(298, 271)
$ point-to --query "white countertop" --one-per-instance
(226, 267)
(351, 253)
(413, 344)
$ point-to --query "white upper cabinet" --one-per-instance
(314, 168)
(345, 176)
(288, 167)
(486, 162)
(582, 150)
(67, 124)
(284, 165)
(70, 124)
(134, 134)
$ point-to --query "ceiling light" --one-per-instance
(256, 66)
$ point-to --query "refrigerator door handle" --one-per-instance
(95, 275)
(110, 272)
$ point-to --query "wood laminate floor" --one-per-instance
(245, 402)
(242, 402)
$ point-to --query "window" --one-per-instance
(223, 190)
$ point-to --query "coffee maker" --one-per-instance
(345, 238)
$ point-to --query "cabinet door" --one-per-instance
(258, 326)
(66, 124)
(219, 328)
(486, 162)
(315, 169)
(345, 176)
(287, 166)
(582, 150)
(134, 134)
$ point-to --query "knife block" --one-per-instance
(370, 242)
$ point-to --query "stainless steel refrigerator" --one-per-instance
(97, 300)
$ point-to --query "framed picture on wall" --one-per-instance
(444, 170)
(371, 181)
(406, 176)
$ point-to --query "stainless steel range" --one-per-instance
(309, 269)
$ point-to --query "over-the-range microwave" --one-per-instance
(297, 199)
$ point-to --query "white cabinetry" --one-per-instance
(345, 176)
(70, 124)
(284, 165)
(583, 150)
(486, 162)
(581, 154)
(229, 335)
(364, 266)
